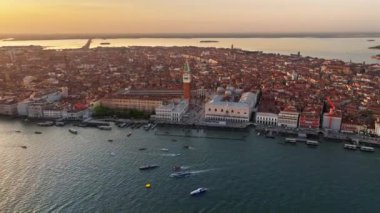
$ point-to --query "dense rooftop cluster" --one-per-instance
(285, 81)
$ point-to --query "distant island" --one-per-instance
(209, 41)
(375, 47)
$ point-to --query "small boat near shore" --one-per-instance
(104, 127)
(59, 123)
(46, 123)
(148, 167)
(73, 131)
(312, 143)
(270, 135)
(142, 149)
(122, 125)
(350, 146)
(367, 149)
(291, 140)
(147, 127)
(164, 150)
(37, 132)
(24, 147)
(129, 134)
(198, 191)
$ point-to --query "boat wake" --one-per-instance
(202, 171)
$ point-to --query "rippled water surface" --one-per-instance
(63, 172)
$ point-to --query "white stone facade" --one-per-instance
(288, 119)
(266, 118)
(171, 112)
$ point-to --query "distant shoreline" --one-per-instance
(375, 47)
(24, 37)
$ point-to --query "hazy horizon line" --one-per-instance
(22, 36)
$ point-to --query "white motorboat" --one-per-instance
(198, 191)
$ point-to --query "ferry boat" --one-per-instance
(104, 127)
(350, 146)
(367, 149)
(198, 191)
(73, 131)
(147, 167)
(312, 143)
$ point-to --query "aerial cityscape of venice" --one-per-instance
(178, 119)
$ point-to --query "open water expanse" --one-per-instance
(63, 172)
(346, 49)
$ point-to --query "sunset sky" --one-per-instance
(188, 16)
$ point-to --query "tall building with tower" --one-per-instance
(186, 79)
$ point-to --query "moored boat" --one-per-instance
(312, 143)
(350, 146)
(37, 132)
(59, 123)
(367, 149)
(104, 127)
(46, 123)
(290, 140)
(73, 131)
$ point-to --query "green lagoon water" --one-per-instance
(62, 172)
